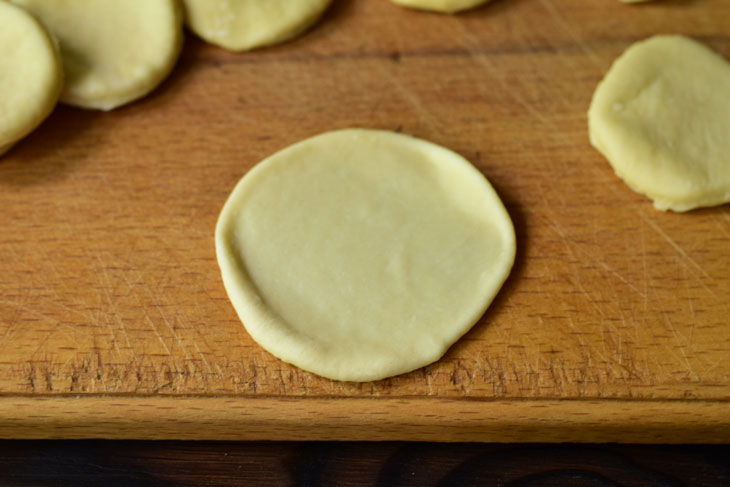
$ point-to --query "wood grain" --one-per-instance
(367, 419)
(109, 284)
(269, 464)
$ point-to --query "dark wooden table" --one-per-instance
(113, 463)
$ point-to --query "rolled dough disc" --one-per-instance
(30, 74)
(114, 52)
(448, 6)
(661, 118)
(241, 25)
(362, 254)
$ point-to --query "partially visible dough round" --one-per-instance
(30, 74)
(114, 52)
(241, 25)
(661, 116)
(448, 6)
(362, 254)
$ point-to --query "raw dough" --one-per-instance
(240, 25)
(114, 52)
(661, 116)
(449, 6)
(362, 254)
(30, 74)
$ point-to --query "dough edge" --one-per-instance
(279, 36)
(132, 93)
(445, 6)
(602, 129)
(54, 91)
(256, 316)
(137, 92)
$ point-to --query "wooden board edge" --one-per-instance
(357, 419)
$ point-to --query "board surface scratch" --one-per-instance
(110, 292)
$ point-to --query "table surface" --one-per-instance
(114, 321)
(359, 464)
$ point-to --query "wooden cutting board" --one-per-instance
(614, 325)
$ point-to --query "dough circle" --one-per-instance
(30, 74)
(114, 52)
(661, 118)
(448, 6)
(362, 254)
(241, 25)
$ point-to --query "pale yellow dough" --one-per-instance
(241, 25)
(661, 116)
(114, 52)
(362, 254)
(30, 74)
(448, 6)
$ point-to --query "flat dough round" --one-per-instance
(362, 254)
(30, 74)
(241, 25)
(661, 118)
(114, 52)
(448, 6)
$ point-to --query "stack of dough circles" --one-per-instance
(448, 6)
(241, 25)
(30, 74)
(113, 52)
(661, 117)
(362, 254)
